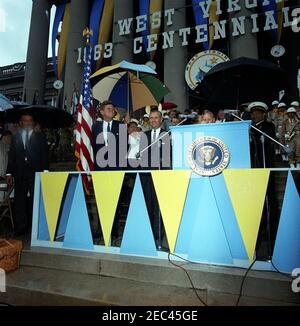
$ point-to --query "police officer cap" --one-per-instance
(275, 103)
(291, 110)
(295, 103)
(281, 105)
(258, 106)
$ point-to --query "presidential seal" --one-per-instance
(208, 156)
(200, 64)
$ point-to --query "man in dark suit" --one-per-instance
(28, 154)
(109, 153)
(262, 148)
(155, 157)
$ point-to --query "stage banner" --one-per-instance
(247, 191)
(171, 190)
(53, 187)
(107, 186)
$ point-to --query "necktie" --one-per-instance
(108, 127)
(154, 136)
(26, 139)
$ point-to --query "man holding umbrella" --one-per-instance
(28, 154)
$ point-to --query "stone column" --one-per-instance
(37, 52)
(243, 45)
(122, 44)
(73, 71)
(175, 59)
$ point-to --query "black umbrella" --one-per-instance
(48, 116)
(229, 84)
(19, 104)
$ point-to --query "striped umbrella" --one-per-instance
(128, 86)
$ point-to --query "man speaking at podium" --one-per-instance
(155, 154)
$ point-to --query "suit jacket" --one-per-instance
(257, 147)
(36, 154)
(158, 156)
(97, 132)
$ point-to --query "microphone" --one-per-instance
(231, 111)
(288, 150)
(187, 116)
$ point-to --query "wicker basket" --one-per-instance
(10, 252)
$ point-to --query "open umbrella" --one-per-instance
(48, 116)
(229, 84)
(128, 85)
(169, 106)
(5, 103)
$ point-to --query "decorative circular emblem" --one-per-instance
(208, 156)
(200, 64)
(58, 84)
(277, 51)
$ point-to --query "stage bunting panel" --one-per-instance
(78, 231)
(286, 254)
(171, 189)
(60, 9)
(247, 190)
(154, 6)
(43, 230)
(53, 186)
(107, 192)
(208, 239)
(139, 242)
(63, 41)
(106, 26)
(213, 18)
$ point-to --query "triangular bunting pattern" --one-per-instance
(53, 186)
(43, 231)
(78, 232)
(286, 254)
(138, 237)
(189, 215)
(107, 188)
(230, 224)
(247, 191)
(171, 189)
(208, 240)
(66, 207)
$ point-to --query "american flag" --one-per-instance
(83, 140)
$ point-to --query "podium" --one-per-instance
(235, 135)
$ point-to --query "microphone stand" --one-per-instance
(287, 150)
(138, 156)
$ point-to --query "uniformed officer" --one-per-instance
(295, 104)
(272, 114)
(281, 117)
(262, 149)
(291, 130)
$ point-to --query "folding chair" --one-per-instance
(5, 202)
